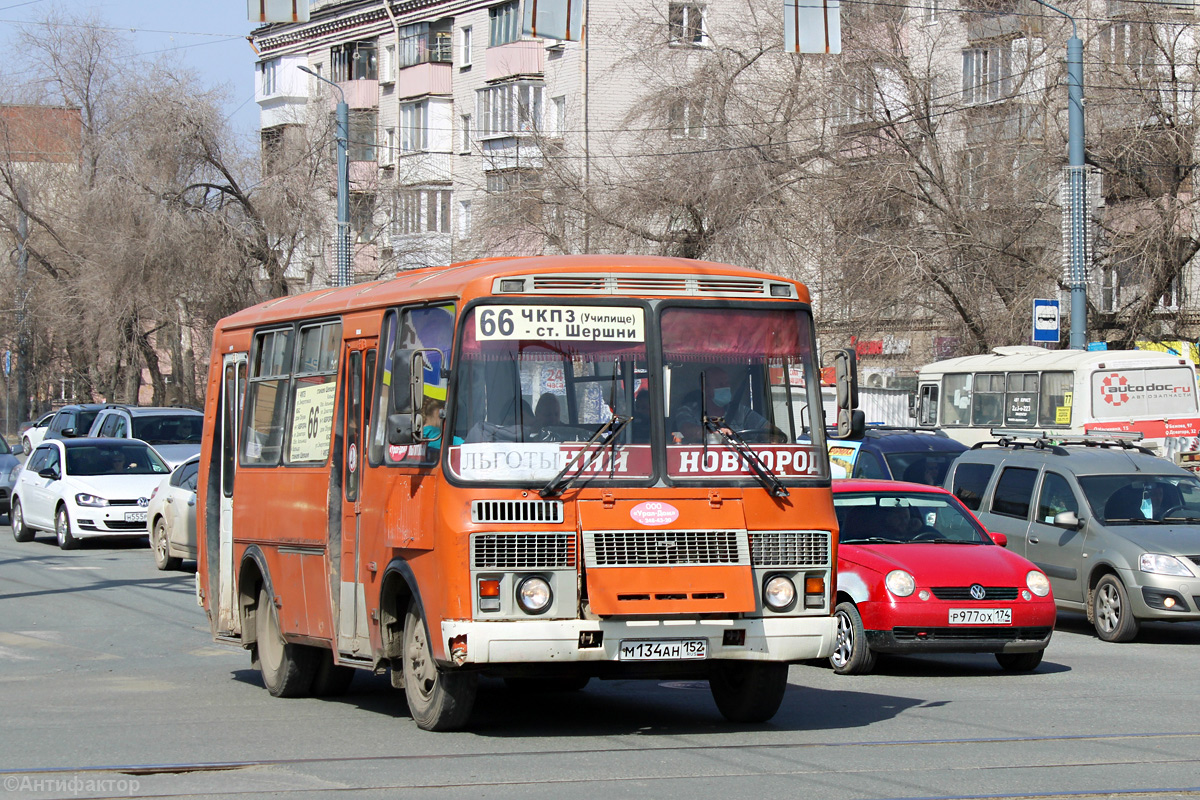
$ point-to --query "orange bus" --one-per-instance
(544, 469)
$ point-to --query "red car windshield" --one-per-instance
(901, 518)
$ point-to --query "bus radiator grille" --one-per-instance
(519, 511)
(789, 548)
(523, 550)
(666, 548)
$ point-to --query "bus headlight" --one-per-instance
(779, 593)
(534, 595)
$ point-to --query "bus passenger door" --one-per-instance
(352, 634)
(233, 385)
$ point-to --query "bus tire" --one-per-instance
(287, 669)
(438, 700)
(330, 680)
(748, 691)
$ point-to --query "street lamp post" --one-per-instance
(1076, 184)
(342, 254)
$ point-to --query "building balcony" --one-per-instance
(422, 168)
(515, 58)
(423, 79)
(360, 94)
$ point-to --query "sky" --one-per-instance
(207, 36)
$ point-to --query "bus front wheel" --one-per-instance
(438, 700)
(748, 691)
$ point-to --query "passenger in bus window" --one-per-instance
(548, 412)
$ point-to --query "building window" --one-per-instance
(556, 122)
(363, 126)
(353, 61)
(270, 77)
(464, 218)
(465, 131)
(387, 70)
(685, 118)
(362, 216)
(421, 211)
(685, 23)
(425, 43)
(387, 155)
(509, 109)
(1128, 45)
(930, 10)
(464, 47)
(413, 126)
(987, 73)
(518, 192)
(504, 24)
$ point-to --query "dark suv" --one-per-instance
(73, 420)
(1115, 528)
(895, 454)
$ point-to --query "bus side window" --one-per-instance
(956, 399)
(267, 398)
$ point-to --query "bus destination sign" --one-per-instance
(564, 323)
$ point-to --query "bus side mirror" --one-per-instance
(406, 423)
(845, 369)
(851, 422)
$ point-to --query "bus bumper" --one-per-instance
(573, 641)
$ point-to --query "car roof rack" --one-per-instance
(1041, 440)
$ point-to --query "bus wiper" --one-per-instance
(558, 483)
(761, 471)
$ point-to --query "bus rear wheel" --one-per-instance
(438, 700)
(748, 691)
(287, 669)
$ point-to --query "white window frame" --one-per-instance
(509, 109)
(464, 121)
(387, 153)
(387, 69)
(682, 30)
(504, 23)
(414, 126)
(556, 117)
(464, 46)
(685, 118)
(464, 219)
(270, 77)
(988, 73)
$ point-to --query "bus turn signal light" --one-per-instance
(814, 591)
(489, 595)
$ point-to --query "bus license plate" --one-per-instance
(135, 516)
(663, 650)
(981, 616)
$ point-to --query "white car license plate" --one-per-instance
(981, 616)
(663, 650)
(135, 516)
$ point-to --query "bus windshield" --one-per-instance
(535, 383)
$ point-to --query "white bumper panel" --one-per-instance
(539, 641)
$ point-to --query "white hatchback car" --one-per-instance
(172, 516)
(85, 488)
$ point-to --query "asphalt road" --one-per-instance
(111, 686)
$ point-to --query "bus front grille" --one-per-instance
(523, 550)
(789, 548)
(519, 511)
(666, 548)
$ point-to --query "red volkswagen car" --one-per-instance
(917, 573)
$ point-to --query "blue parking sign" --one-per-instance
(1046, 321)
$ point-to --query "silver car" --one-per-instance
(1116, 529)
(172, 516)
(10, 468)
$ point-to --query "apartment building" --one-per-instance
(457, 120)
